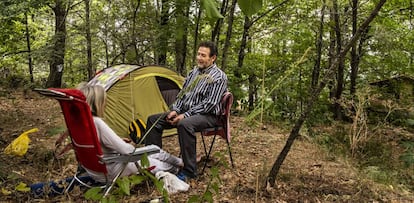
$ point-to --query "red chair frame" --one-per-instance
(222, 128)
(85, 142)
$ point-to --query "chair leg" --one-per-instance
(70, 184)
(110, 184)
(208, 154)
(231, 157)
(204, 144)
(108, 188)
(79, 171)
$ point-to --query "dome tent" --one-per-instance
(135, 92)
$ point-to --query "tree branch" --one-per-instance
(14, 53)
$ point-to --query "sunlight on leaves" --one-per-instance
(22, 187)
(5, 191)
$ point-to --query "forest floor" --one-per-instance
(309, 173)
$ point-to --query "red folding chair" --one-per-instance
(85, 142)
(222, 128)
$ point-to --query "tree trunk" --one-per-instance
(357, 49)
(29, 52)
(134, 33)
(227, 43)
(294, 133)
(354, 71)
(331, 56)
(182, 16)
(319, 40)
(164, 33)
(91, 70)
(57, 57)
(196, 36)
(340, 72)
(215, 33)
(243, 45)
(252, 91)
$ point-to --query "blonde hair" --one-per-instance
(95, 97)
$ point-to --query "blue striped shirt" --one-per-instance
(202, 92)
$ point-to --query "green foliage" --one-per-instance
(94, 194)
(408, 156)
(211, 190)
(213, 186)
(210, 8)
(126, 183)
(250, 7)
(55, 131)
(279, 83)
(378, 158)
(379, 175)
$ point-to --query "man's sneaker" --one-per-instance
(182, 176)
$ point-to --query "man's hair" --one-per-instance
(211, 45)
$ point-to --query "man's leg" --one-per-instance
(186, 134)
(154, 136)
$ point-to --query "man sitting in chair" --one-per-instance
(111, 143)
(196, 108)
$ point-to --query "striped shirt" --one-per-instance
(202, 92)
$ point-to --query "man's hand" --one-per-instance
(171, 116)
(174, 120)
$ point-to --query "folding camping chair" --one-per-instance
(85, 142)
(222, 128)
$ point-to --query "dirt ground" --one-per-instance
(309, 174)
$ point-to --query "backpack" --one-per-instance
(136, 130)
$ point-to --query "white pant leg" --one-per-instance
(167, 157)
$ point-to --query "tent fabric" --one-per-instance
(133, 92)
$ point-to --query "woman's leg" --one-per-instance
(167, 157)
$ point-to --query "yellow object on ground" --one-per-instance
(20, 145)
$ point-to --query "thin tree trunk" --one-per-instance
(357, 49)
(57, 58)
(252, 91)
(196, 36)
(331, 55)
(340, 72)
(243, 45)
(215, 33)
(182, 13)
(106, 51)
(29, 52)
(319, 41)
(91, 70)
(134, 32)
(271, 178)
(227, 43)
(354, 71)
(164, 33)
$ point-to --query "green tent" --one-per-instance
(136, 92)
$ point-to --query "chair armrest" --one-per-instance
(133, 157)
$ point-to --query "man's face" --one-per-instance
(203, 58)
